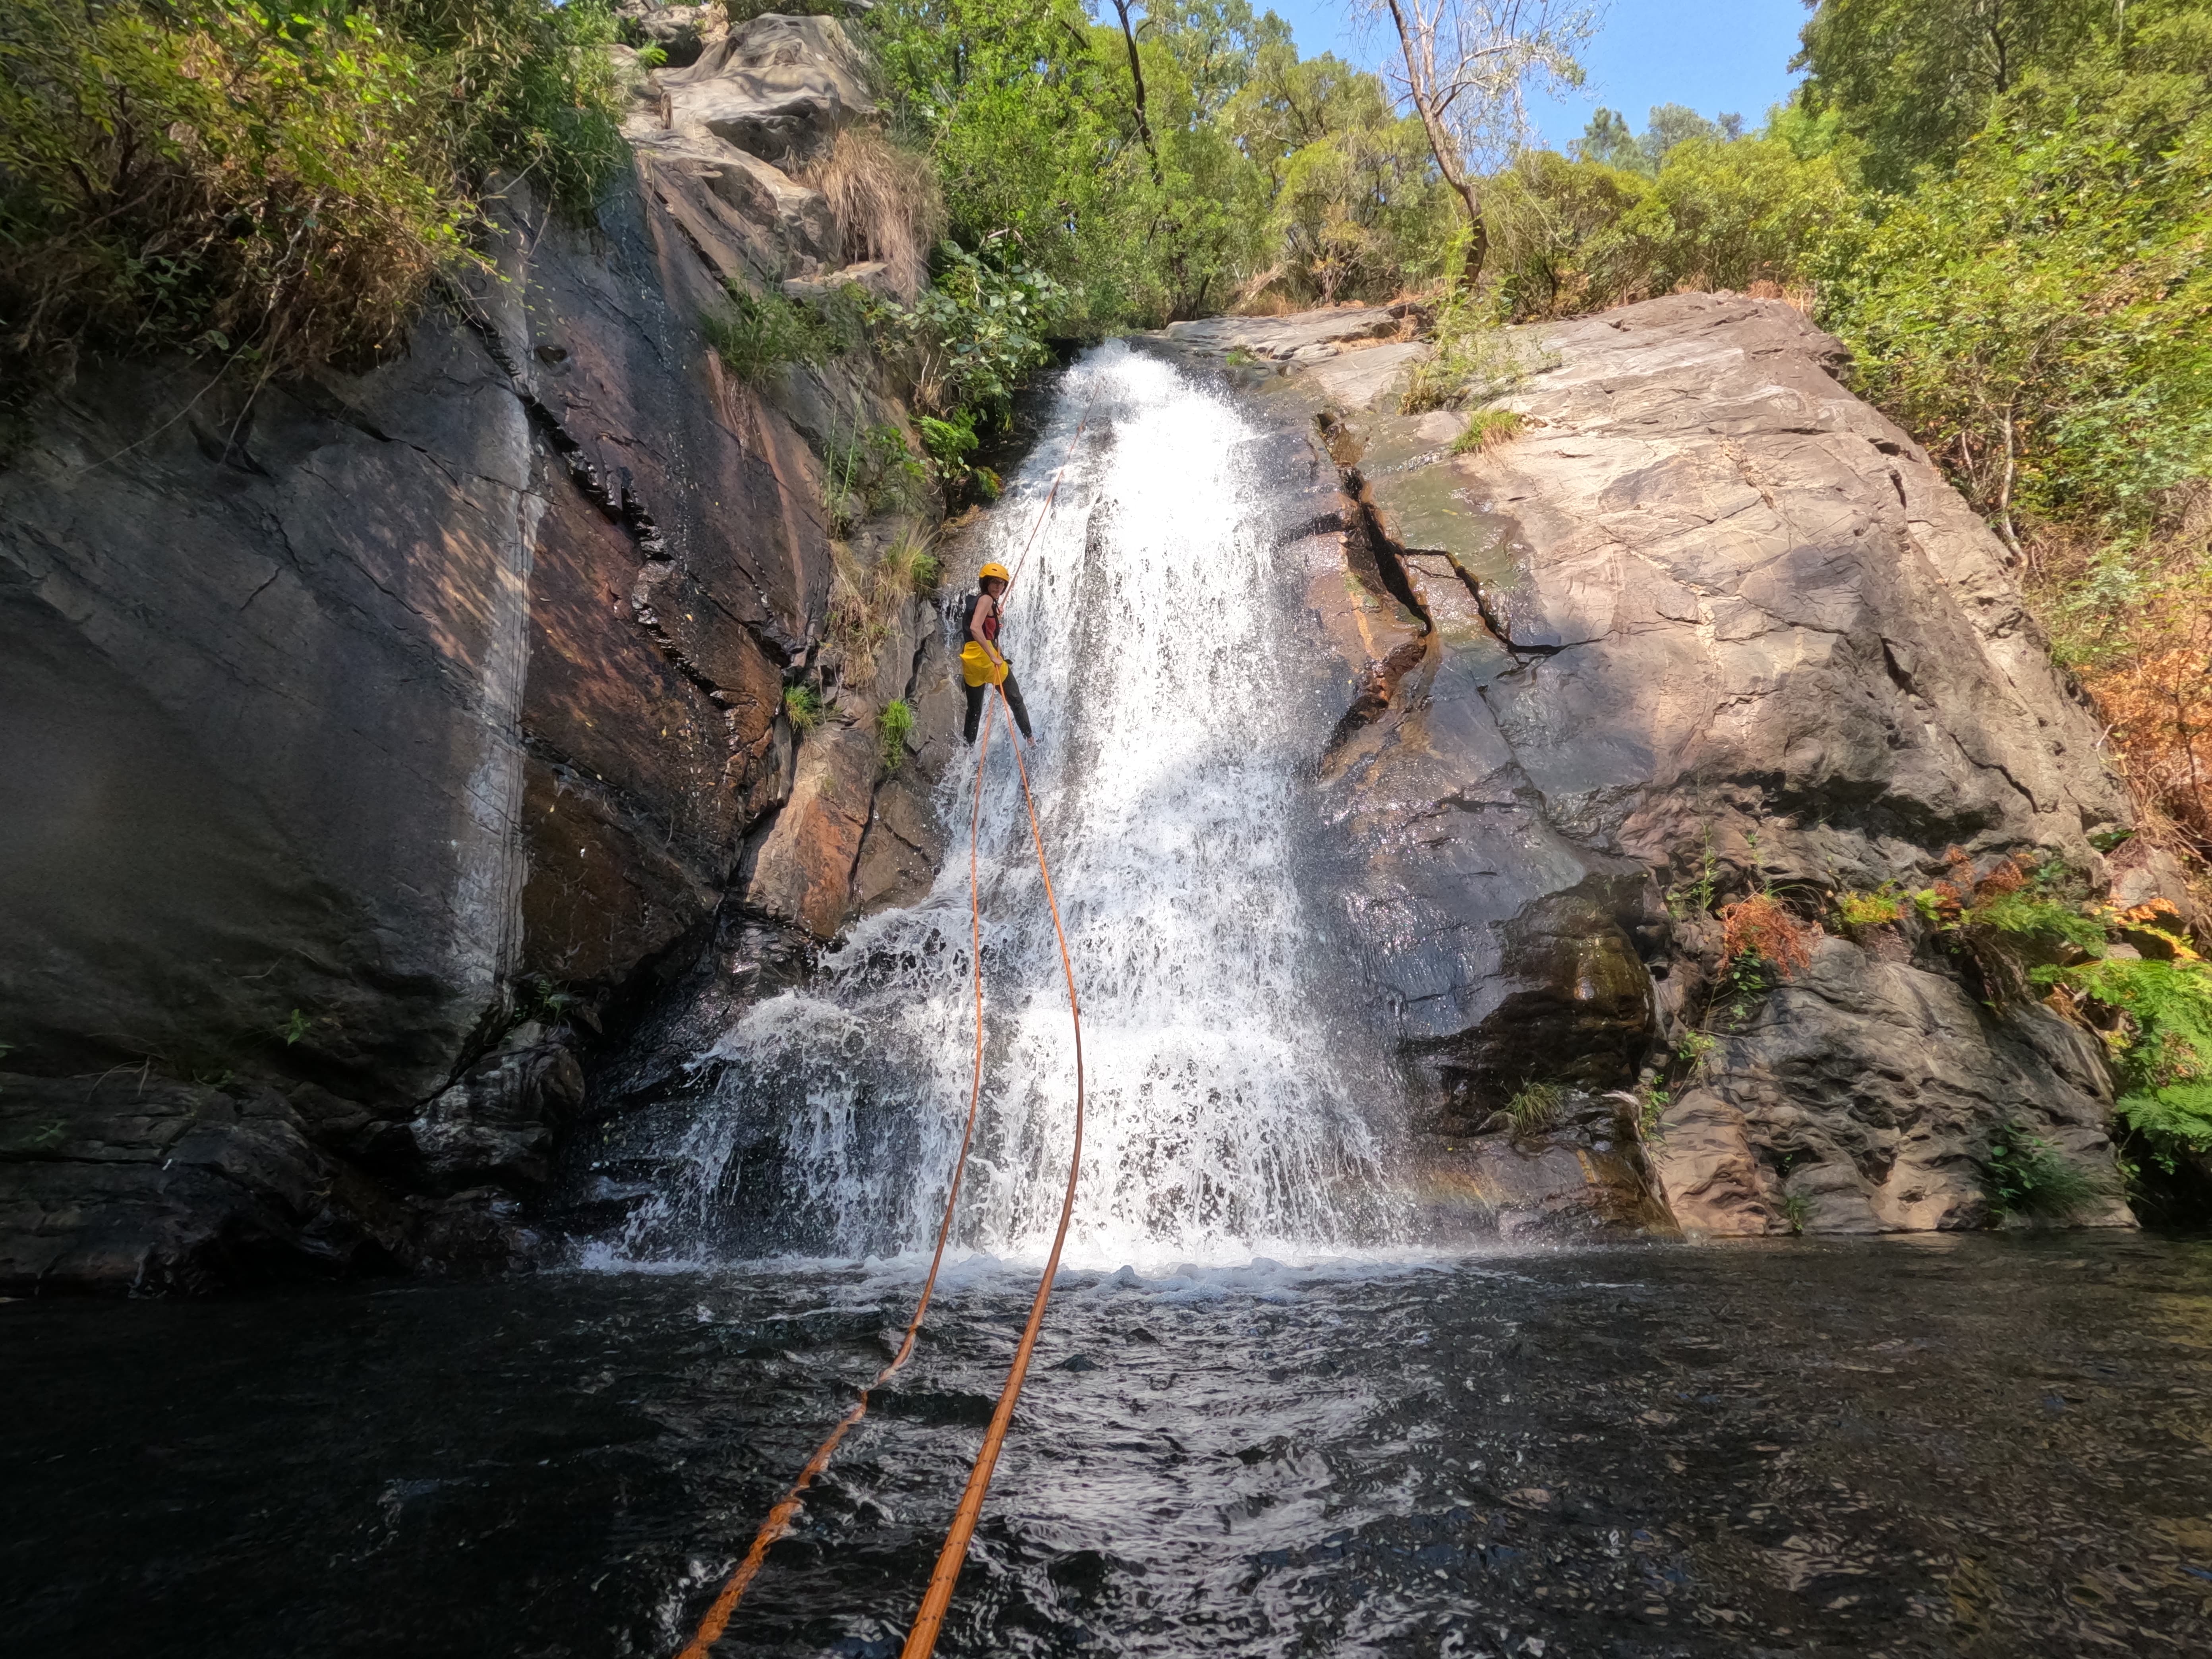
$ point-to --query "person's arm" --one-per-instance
(975, 628)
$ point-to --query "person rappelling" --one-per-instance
(982, 665)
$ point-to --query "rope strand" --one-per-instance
(778, 1523)
(921, 1639)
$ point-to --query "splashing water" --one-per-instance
(1145, 629)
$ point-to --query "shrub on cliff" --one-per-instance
(1569, 236)
(279, 185)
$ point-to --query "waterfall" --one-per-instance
(1147, 626)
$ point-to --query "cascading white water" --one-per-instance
(1144, 630)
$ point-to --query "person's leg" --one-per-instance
(976, 696)
(1014, 701)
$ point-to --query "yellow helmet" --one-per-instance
(994, 568)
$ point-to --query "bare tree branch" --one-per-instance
(1467, 67)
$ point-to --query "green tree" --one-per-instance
(1914, 80)
(2042, 318)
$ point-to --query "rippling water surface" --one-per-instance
(1972, 1446)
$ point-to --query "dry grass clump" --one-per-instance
(867, 599)
(885, 201)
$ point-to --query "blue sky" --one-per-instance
(1713, 55)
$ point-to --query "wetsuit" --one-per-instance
(976, 669)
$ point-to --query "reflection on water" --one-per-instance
(1979, 1446)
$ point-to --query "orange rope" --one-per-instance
(779, 1518)
(921, 1639)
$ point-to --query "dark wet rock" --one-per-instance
(1868, 1088)
(127, 1182)
(1709, 616)
(347, 715)
(1582, 1177)
(501, 1122)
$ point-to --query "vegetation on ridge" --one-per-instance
(272, 184)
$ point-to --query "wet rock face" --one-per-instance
(338, 712)
(1707, 623)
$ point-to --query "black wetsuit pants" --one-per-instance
(976, 696)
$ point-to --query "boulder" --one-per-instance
(1708, 623)
(127, 1182)
(778, 87)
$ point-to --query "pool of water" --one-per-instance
(1956, 1445)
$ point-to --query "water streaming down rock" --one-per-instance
(1222, 1116)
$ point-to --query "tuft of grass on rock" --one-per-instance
(893, 726)
(1534, 1108)
(802, 706)
(1488, 430)
(2026, 1174)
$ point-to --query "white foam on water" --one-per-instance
(1144, 628)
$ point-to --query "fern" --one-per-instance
(2026, 912)
(2178, 1115)
(2165, 1051)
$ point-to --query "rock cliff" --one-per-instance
(1706, 625)
(371, 740)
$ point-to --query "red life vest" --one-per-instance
(990, 622)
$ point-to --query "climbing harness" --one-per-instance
(922, 1638)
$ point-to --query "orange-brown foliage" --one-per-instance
(2145, 660)
(1759, 926)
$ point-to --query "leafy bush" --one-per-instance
(1572, 236)
(977, 329)
(949, 442)
(2039, 318)
(283, 185)
(527, 89)
(1472, 360)
(2026, 1174)
(760, 335)
(893, 726)
(868, 470)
